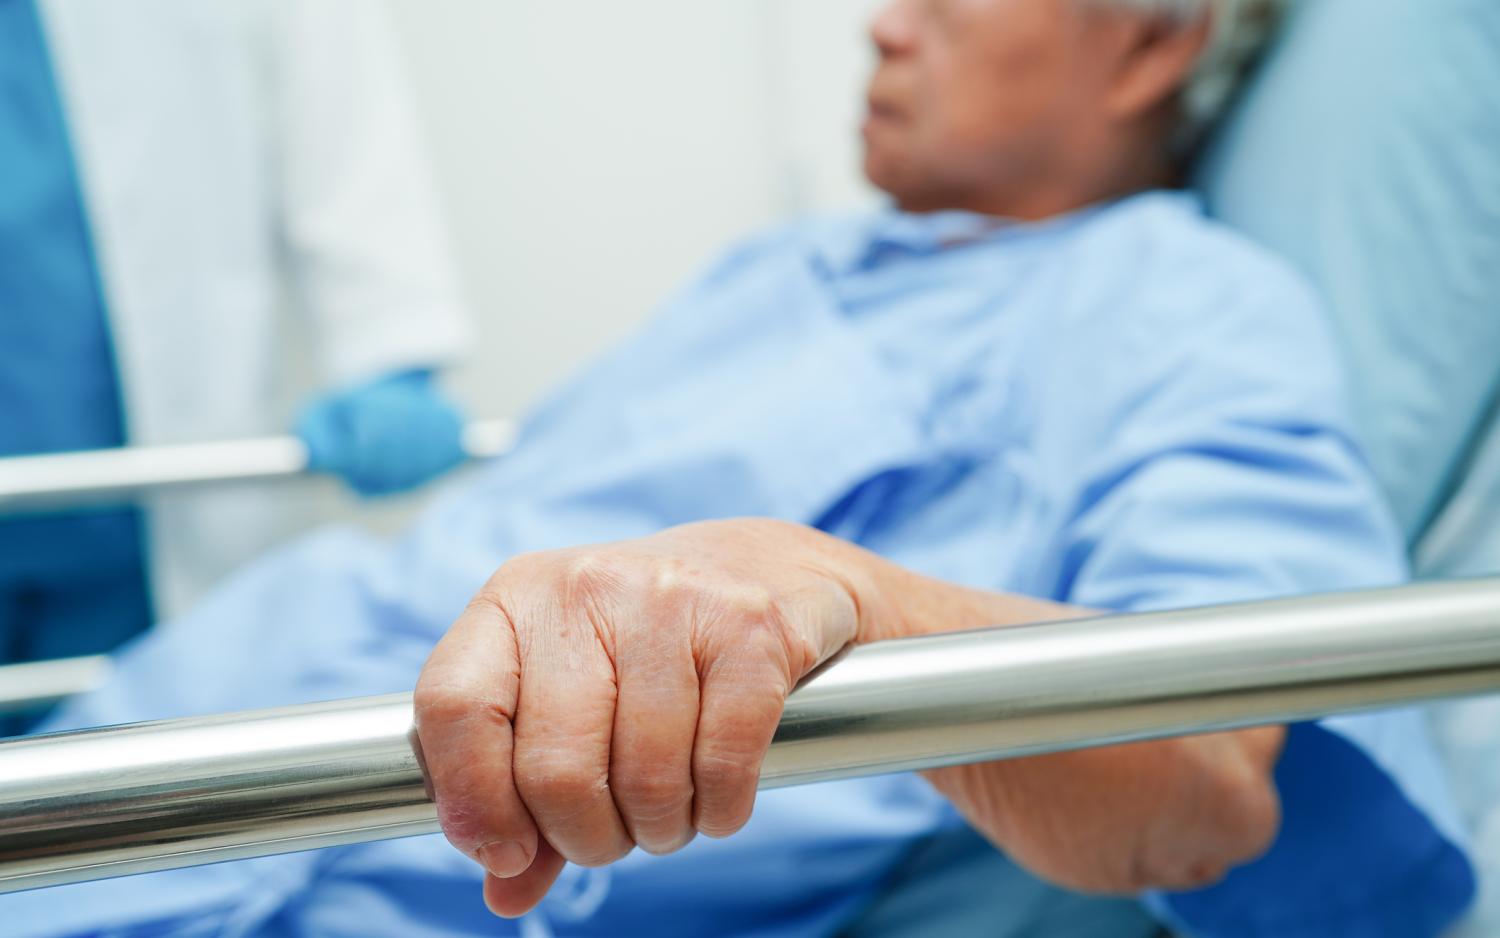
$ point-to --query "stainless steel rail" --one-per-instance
(26, 687)
(155, 796)
(65, 480)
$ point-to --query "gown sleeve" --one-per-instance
(1230, 474)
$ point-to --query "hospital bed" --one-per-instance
(156, 796)
(1364, 152)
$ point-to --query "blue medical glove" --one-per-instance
(389, 435)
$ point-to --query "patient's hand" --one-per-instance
(596, 699)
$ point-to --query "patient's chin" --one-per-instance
(913, 183)
(907, 195)
(894, 178)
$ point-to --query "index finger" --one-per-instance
(465, 703)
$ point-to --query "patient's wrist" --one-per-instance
(901, 603)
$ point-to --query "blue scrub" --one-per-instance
(1128, 409)
(69, 585)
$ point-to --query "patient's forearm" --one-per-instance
(1174, 814)
(1171, 814)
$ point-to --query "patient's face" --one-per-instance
(975, 101)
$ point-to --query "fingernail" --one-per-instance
(504, 859)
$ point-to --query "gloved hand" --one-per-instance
(387, 436)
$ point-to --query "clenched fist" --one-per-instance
(596, 699)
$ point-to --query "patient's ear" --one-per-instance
(1156, 55)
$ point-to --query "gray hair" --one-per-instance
(1241, 29)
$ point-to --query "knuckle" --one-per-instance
(652, 796)
(791, 644)
(561, 785)
(495, 597)
(436, 702)
(755, 606)
(720, 775)
(589, 575)
(762, 640)
(676, 583)
(440, 702)
(516, 566)
(670, 573)
(700, 581)
(493, 602)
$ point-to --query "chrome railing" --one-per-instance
(155, 796)
(66, 480)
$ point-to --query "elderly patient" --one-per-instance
(1042, 373)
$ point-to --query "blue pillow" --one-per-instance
(1367, 152)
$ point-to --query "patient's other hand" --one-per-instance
(600, 698)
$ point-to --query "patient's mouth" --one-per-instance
(880, 110)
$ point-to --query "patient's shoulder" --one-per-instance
(1172, 260)
(1161, 301)
(1166, 276)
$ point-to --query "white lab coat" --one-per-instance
(233, 154)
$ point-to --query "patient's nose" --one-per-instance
(894, 29)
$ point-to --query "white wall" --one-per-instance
(821, 59)
(594, 153)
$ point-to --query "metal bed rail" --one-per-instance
(67, 480)
(154, 796)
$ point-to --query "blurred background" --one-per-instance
(590, 156)
(225, 212)
(546, 130)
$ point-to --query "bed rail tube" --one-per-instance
(153, 796)
(27, 687)
(68, 480)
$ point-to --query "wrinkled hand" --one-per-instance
(387, 436)
(596, 699)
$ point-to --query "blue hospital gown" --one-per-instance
(1128, 408)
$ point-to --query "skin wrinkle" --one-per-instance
(552, 764)
(591, 585)
(458, 705)
(575, 789)
(726, 759)
(1216, 803)
(733, 774)
(727, 656)
(671, 803)
(654, 795)
(557, 774)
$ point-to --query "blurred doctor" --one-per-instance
(173, 175)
